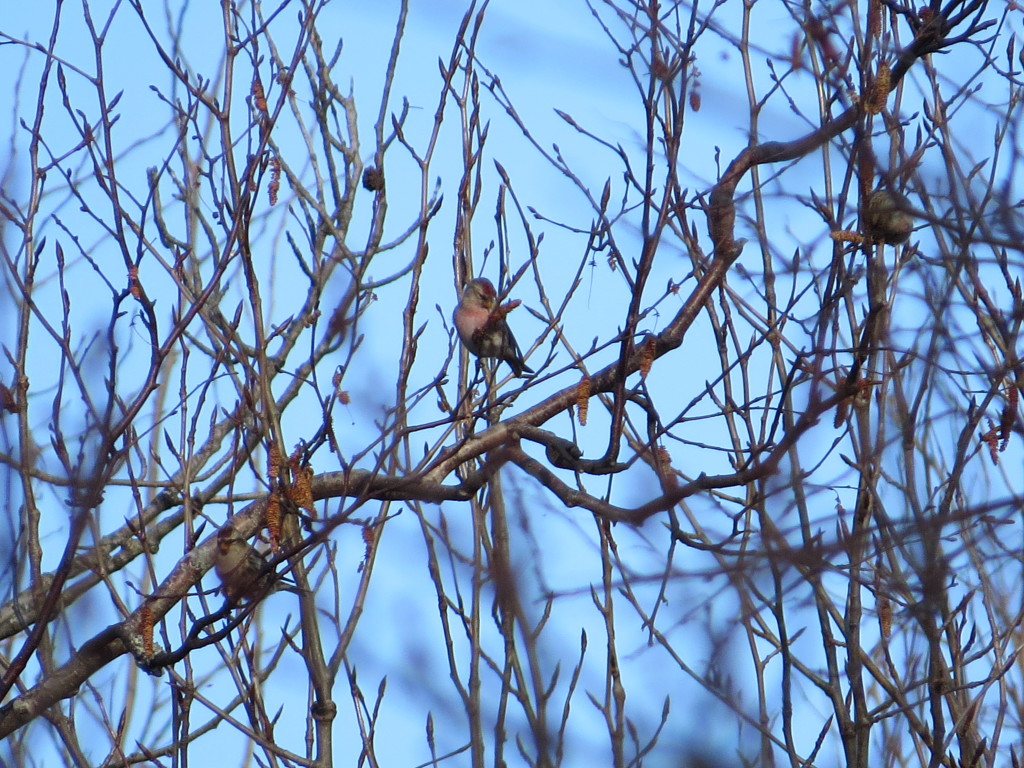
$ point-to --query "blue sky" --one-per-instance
(548, 56)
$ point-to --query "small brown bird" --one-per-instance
(886, 217)
(244, 573)
(482, 327)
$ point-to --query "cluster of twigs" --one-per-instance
(802, 428)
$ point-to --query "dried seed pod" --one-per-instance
(583, 400)
(8, 402)
(647, 351)
(146, 630)
(274, 519)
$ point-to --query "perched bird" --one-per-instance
(244, 573)
(482, 327)
(886, 217)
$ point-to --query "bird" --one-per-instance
(482, 328)
(886, 217)
(244, 573)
